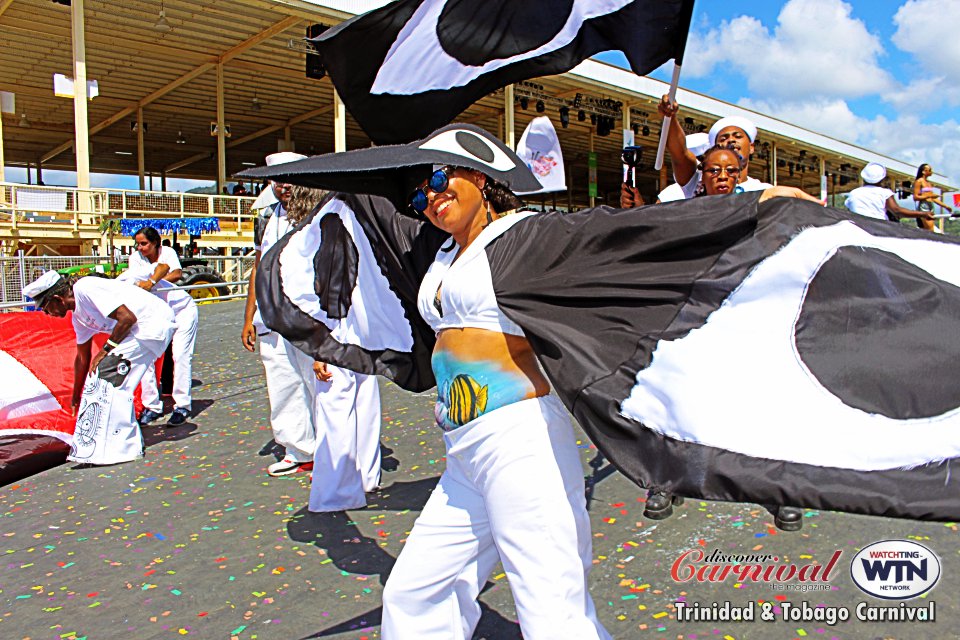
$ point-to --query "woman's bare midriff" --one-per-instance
(478, 371)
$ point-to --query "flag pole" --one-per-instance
(664, 131)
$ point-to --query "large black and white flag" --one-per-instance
(413, 65)
(779, 353)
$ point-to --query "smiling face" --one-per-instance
(460, 209)
(721, 172)
(737, 139)
(147, 249)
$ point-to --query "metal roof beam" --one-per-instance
(231, 53)
(252, 136)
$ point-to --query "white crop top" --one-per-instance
(467, 299)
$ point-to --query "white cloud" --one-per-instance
(905, 138)
(926, 29)
(816, 49)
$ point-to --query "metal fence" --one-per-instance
(18, 270)
(21, 203)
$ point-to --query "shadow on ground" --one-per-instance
(351, 551)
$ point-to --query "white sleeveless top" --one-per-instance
(467, 299)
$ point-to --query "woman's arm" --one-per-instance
(81, 366)
(160, 270)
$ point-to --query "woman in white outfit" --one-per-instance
(155, 268)
(512, 490)
(346, 463)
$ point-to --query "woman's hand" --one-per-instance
(787, 192)
(248, 336)
(322, 371)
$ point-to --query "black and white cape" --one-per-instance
(777, 353)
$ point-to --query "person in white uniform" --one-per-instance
(875, 200)
(140, 327)
(513, 470)
(346, 463)
(155, 268)
(735, 132)
(291, 383)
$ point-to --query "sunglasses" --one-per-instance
(715, 171)
(437, 183)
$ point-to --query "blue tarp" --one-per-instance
(195, 226)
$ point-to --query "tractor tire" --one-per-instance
(204, 275)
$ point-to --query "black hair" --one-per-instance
(719, 147)
(151, 234)
(920, 170)
(62, 286)
(500, 196)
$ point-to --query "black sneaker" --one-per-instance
(179, 416)
(148, 416)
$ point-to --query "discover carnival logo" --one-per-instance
(718, 566)
(895, 569)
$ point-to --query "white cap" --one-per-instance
(697, 143)
(873, 173)
(283, 157)
(44, 283)
(733, 121)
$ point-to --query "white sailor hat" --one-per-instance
(41, 286)
(733, 121)
(282, 157)
(873, 173)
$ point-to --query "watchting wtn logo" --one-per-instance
(895, 569)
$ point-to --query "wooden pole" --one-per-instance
(221, 134)
(82, 137)
(141, 164)
(339, 123)
(509, 135)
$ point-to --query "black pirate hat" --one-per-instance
(394, 171)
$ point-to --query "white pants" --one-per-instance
(107, 431)
(290, 386)
(347, 462)
(512, 491)
(184, 338)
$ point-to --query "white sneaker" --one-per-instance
(284, 467)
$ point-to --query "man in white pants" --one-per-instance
(346, 464)
(289, 371)
(139, 326)
(186, 319)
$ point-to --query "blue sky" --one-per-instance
(884, 74)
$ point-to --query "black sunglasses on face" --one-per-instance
(437, 183)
